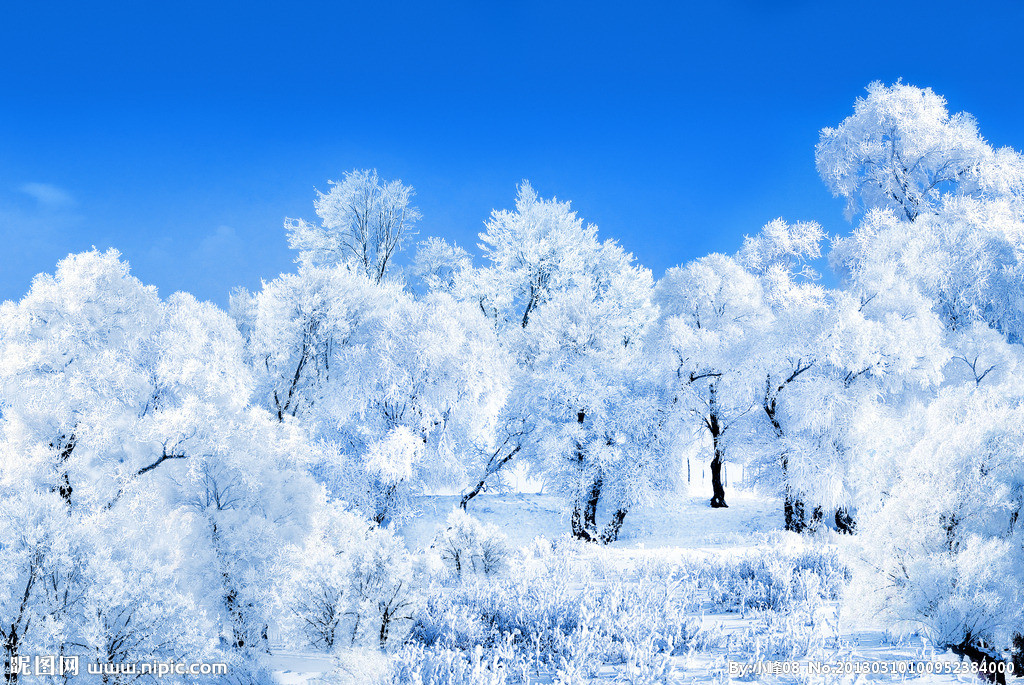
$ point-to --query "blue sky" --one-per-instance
(184, 133)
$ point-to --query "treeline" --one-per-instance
(162, 458)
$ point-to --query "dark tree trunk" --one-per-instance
(579, 531)
(792, 507)
(814, 523)
(794, 513)
(477, 489)
(11, 655)
(584, 512)
(584, 521)
(988, 660)
(581, 517)
(718, 490)
(590, 512)
(385, 620)
(715, 427)
(611, 531)
(590, 533)
(800, 523)
(845, 522)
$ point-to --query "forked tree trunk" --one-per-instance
(590, 533)
(584, 518)
(584, 513)
(579, 531)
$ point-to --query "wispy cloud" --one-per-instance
(48, 195)
(222, 244)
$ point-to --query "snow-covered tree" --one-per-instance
(941, 545)
(594, 405)
(713, 318)
(129, 451)
(364, 222)
(792, 346)
(900, 149)
(469, 546)
(402, 393)
(938, 468)
(573, 312)
(440, 265)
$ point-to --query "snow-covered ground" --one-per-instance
(684, 533)
(687, 523)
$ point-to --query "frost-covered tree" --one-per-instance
(573, 312)
(791, 346)
(353, 582)
(900, 149)
(938, 473)
(941, 547)
(469, 546)
(364, 222)
(594, 405)
(402, 393)
(528, 252)
(440, 265)
(129, 452)
(965, 257)
(713, 317)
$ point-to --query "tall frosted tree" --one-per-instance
(791, 348)
(943, 531)
(364, 222)
(145, 498)
(400, 392)
(573, 312)
(900, 149)
(713, 315)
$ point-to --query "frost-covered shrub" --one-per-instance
(439, 665)
(358, 667)
(536, 619)
(382, 589)
(353, 584)
(318, 593)
(772, 580)
(469, 546)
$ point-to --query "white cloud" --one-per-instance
(48, 195)
(222, 242)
